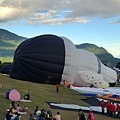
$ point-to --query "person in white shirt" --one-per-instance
(57, 116)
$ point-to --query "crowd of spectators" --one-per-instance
(14, 113)
(112, 108)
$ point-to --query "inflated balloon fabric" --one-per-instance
(52, 59)
(40, 59)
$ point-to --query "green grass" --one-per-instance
(6, 59)
(40, 95)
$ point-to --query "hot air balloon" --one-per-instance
(52, 59)
(44, 59)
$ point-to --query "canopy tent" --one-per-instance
(13, 95)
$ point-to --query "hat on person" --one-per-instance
(80, 109)
(90, 110)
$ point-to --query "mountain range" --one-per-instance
(6, 35)
(9, 42)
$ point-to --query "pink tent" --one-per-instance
(13, 95)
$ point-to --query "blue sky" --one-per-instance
(81, 21)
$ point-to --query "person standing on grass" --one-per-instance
(108, 107)
(118, 110)
(102, 104)
(91, 115)
(57, 88)
(81, 115)
(113, 109)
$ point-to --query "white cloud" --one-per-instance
(99, 8)
(73, 10)
(51, 17)
(115, 22)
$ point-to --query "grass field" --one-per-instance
(40, 95)
(6, 59)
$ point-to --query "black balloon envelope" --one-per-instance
(40, 59)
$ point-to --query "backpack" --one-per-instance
(48, 115)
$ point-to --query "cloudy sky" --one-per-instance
(82, 21)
